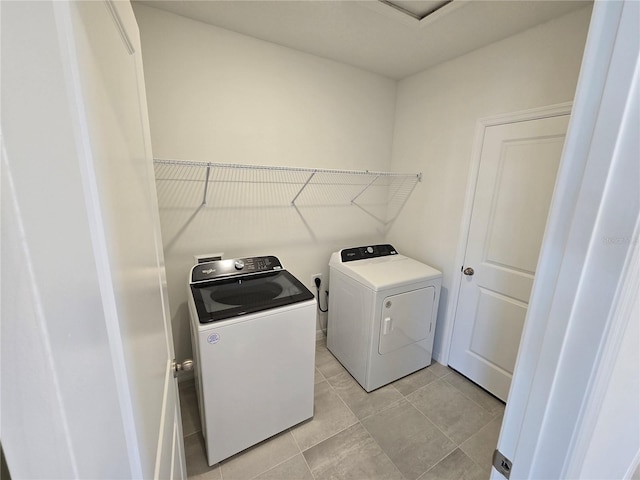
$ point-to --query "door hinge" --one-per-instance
(502, 464)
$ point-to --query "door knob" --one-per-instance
(185, 366)
(468, 271)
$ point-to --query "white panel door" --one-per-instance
(112, 88)
(518, 167)
(87, 353)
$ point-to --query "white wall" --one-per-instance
(435, 128)
(218, 96)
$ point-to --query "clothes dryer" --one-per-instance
(382, 313)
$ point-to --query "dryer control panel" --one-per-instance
(368, 251)
(237, 266)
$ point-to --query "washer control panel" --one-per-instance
(367, 251)
(237, 266)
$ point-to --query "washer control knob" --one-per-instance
(369, 249)
(239, 264)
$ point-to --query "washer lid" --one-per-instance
(385, 272)
(233, 296)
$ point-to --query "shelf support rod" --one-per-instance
(353, 200)
(206, 185)
(293, 202)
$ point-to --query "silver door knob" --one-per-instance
(185, 366)
(468, 271)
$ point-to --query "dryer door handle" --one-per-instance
(386, 326)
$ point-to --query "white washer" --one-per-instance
(382, 313)
(253, 337)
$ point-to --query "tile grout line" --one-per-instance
(385, 408)
(396, 403)
(428, 419)
(324, 439)
(468, 397)
(275, 466)
(473, 459)
(302, 452)
(436, 464)
(404, 397)
(493, 417)
(358, 421)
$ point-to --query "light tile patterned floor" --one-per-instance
(433, 424)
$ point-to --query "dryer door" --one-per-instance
(406, 318)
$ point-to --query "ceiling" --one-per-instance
(371, 34)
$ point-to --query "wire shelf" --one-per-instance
(218, 185)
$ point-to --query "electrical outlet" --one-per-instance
(313, 279)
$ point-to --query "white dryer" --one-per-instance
(382, 313)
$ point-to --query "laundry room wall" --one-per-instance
(436, 119)
(218, 96)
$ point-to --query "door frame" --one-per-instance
(482, 124)
(570, 337)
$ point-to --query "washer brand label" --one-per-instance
(213, 338)
(208, 271)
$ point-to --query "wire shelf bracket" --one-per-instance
(398, 186)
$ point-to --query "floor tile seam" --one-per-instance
(307, 464)
(454, 444)
(488, 412)
(497, 415)
(467, 396)
(481, 467)
(437, 377)
(341, 366)
(440, 461)
(394, 387)
(384, 409)
(468, 439)
(370, 436)
(327, 378)
(275, 466)
(389, 384)
(382, 450)
(198, 426)
(376, 412)
(482, 428)
(331, 436)
(448, 452)
(471, 458)
(190, 435)
(423, 387)
(419, 388)
(433, 423)
(295, 440)
(341, 399)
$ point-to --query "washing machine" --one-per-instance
(253, 338)
(382, 313)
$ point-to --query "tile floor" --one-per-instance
(433, 424)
